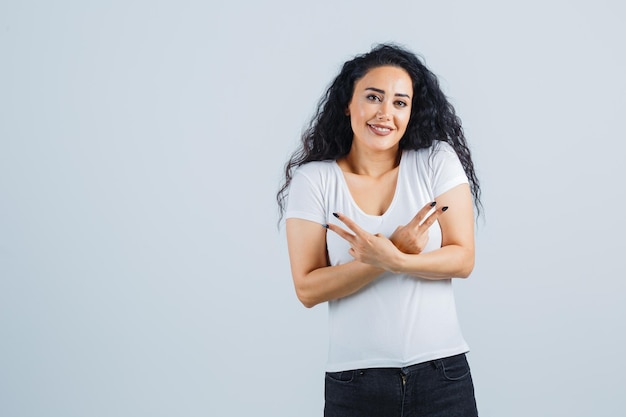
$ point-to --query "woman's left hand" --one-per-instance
(413, 237)
(372, 249)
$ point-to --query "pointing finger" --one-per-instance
(352, 225)
(342, 233)
(431, 219)
(419, 217)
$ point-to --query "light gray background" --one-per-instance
(142, 143)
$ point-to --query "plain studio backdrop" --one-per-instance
(142, 272)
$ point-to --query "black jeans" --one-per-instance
(438, 388)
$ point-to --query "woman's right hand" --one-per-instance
(413, 237)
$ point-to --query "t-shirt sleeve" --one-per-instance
(447, 169)
(305, 199)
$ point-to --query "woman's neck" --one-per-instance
(372, 164)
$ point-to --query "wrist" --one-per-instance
(398, 262)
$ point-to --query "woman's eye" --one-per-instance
(373, 97)
(401, 104)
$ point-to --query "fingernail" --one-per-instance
(325, 225)
(433, 204)
(444, 208)
(336, 215)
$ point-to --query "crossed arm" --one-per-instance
(315, 281)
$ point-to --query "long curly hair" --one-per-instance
(329, 134)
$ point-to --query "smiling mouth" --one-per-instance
(381, 129)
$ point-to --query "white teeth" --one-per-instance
(381, 129)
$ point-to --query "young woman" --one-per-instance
(379, 219)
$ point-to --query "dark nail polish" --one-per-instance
(325, 225)
(336, 215)
(433, 204)
(444, 208)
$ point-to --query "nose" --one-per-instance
(382, 114)
(383, 111)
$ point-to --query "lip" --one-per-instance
(379, 129)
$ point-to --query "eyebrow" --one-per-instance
(378, 90)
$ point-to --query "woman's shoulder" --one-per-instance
(442, 146)
(316, 168)
(314, 175)
(432, 150)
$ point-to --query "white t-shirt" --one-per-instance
(397, 320)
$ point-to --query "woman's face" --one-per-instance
(380, 108)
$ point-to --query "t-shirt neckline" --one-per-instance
(353, 202)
